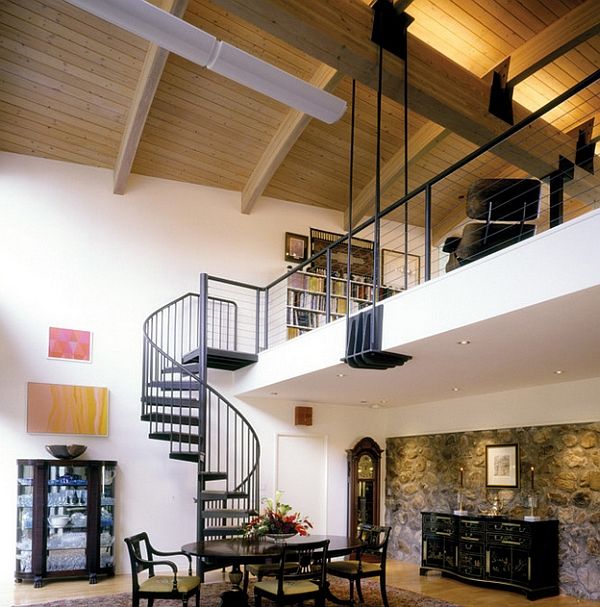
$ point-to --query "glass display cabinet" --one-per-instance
(363, 484)
(65, 519)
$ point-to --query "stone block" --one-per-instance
(575, 460)
(581, 499)
(567, 483)
(570, 439)
(593, 480)
(589, 440)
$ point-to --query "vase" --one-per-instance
(279, 537)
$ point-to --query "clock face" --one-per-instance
(366, 468)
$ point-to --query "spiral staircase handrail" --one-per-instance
(178, 367)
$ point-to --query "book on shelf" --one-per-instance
(307, 298)
(296, 281)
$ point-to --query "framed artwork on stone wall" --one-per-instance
(502, 465)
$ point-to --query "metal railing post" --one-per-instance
(257, 324)
(266, 321)
(427, 233)
(202, 395)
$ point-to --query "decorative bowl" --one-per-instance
(279, 537)
(58, 520)
(66, 451)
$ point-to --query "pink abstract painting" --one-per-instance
(70, 344)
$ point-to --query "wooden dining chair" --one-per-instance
(369, 560)
(262, 570)
(306, 579)
(171, 586)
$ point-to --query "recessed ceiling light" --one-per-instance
(363, 402)
(375, 406)
(463, 342)
(341, 375)
(383, 401)
(274, 393)
(558, 372)
(455, 389)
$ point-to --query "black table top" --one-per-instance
(244, 551)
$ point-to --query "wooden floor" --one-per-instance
(403, 575)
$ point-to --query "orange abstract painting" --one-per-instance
(63, 409)
(70, 344)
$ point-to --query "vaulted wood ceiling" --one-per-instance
(76, 88)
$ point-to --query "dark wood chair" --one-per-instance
(306, 579)
(262, 570)
(369, 560)
(171, 586)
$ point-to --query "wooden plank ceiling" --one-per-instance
(78, 89)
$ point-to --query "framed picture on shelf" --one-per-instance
(393, 268)
(296, 247)
(502, 465)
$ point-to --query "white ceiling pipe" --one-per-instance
(182, 38)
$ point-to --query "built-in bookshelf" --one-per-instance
(307, 299)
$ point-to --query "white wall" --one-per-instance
(74, 255)
(342, 426)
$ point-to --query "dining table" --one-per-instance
(238, 551)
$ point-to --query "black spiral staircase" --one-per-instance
(181, 341)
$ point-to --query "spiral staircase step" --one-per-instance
(228, 360)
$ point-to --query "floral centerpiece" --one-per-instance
(277, 520)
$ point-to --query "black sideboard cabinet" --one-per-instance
(501, 552)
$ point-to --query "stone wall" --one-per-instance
(423, 473)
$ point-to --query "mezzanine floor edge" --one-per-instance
(400, 574)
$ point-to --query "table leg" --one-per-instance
(235, 576)
(235, 597)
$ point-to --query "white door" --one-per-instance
(301, 473)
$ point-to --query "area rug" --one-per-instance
(210, 593)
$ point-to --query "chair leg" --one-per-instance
(383, 590)
(359, 590)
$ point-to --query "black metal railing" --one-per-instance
(408, 255)
(199, 423)
(411, 255)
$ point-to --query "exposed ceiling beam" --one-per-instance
(577, 26)
(286, 136)
(338, 32)
(143, 96)
(564, 34)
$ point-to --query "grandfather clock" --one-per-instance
(363, 483)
